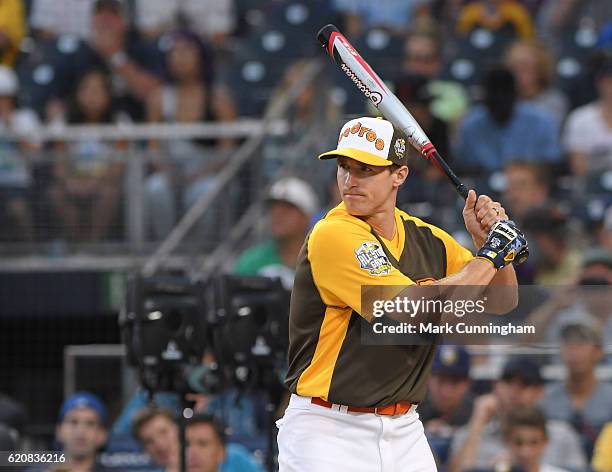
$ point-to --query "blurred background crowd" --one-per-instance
(182, 134)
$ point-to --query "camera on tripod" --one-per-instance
(170, 322)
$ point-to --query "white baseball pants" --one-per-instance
(313, 438)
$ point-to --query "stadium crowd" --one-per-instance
(516, 94)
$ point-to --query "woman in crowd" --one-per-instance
(532, 66)
(189, 96)
(86, 190)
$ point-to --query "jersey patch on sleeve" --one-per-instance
(372, 258)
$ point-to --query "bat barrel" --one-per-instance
(324, 34)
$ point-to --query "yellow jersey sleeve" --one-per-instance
(344, 257)
(602, 455)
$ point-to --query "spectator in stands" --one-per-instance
(156, 429)
(191, 96)
(292, 204)
(533, 68)
(15, 177)
(212, 20)
(135, 67)
(449, 402)
(414, 92)
(309, 118)
(208, 451)
(605, 234)
(12, 29)
(496, 15)
(581, 400)
(558, 19)
(602, 455)
(526, 187)
(13, 417)
(501, 129)
(423, 57)
(526, 437)
(8, 438)
(206, 446)
(82, 432)
(51, 18)
(586, 300)
(87, 188)
(556, 259)
(588, 131)
(479, 445)
(397, 16)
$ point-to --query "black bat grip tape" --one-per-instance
(324, 34)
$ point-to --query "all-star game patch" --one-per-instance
(372, 258)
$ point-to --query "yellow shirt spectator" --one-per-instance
(494, 17)
(12, 29)
(602, 455)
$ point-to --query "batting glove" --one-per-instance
(505, 244)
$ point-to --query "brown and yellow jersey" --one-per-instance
(341, 254)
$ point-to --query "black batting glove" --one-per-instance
(505, 244)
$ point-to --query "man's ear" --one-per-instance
(58, 433)
(102, 437)
(400, 175)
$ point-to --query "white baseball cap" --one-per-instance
(9, 84)
(373, 141)
(297, 192)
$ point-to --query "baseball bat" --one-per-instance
(371, 85)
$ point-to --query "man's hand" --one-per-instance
(480, 214)
(485, 407)
(504, 245)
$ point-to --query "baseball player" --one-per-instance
(353, 406)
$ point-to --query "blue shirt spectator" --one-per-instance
(245, 419)
(531, 134)
(396, 15)
(503, 129)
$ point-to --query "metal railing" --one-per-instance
(138, 249)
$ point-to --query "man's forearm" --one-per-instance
(502, 292)
(475, 272)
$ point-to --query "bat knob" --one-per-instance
(324, 34)
(462, 190)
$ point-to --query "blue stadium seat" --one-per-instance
(46, 71)
(573, 59)
(383, 51)
(473, 53)
(252, 81)
(299, 22)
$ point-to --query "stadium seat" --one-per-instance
(575, 51)
(383, 51)
(252, 82)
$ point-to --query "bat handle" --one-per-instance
(324, 34)
(462, 190)
(433, 155)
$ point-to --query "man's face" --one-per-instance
(580, 356)
(448, 391)
(514, 392)
(159, 437)
(365, 189)
(598, 298)
(205, 452)
(604, 86)
(421, 57)
(287, 221)
(526, 445)
(108, 18)
(81, 433)
(522, 191)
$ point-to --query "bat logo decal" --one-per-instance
(374, 97)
